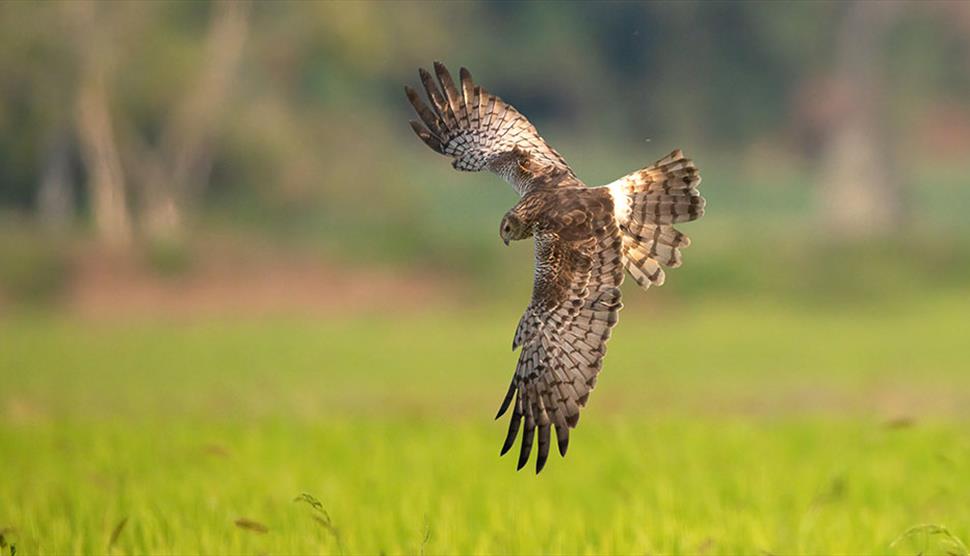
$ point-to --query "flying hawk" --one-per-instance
(584, 239)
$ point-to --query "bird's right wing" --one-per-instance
(480, 131)
(563, 333)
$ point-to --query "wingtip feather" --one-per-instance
(543, 454)
(429, 138)
(507, 401)
(514, 423)
(528, 436)
(562, 439)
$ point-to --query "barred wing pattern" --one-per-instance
(480, 131)
(563, 334)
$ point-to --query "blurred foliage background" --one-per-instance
(167, 138)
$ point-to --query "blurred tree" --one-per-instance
(861, 185)
(318, 95)
(105, 177)
(166, 176)
(173, 175)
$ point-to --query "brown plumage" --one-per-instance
(584, 239)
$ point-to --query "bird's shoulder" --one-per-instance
(572, 211)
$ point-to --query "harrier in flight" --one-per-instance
(585, 237)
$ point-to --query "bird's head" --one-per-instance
(512, 228)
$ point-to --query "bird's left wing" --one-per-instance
(480, 131)
(563, 334)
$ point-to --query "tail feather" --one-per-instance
(644, 269)
(661, 243)
(647, 203)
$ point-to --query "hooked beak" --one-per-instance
(506, 240)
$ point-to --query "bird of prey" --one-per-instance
(585, 237)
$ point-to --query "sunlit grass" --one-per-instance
(717, 429)
(659, 486)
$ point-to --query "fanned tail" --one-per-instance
(647, 203)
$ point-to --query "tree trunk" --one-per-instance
(861, 189)
(175, 173)
(99, 150)
(105, 179)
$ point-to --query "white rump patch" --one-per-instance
(621, 199)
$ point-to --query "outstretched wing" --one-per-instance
(480, 131)
(563, 333)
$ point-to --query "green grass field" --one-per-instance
(742, 427)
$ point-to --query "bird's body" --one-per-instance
(585, 237)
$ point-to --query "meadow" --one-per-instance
(741, 427)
